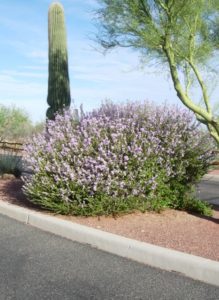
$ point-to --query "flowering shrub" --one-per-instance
(117, 158)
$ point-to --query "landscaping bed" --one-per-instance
(182, 231)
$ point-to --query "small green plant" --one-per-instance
(197, 206)
(11, 164)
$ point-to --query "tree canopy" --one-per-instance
(16, 125)
(183, 34)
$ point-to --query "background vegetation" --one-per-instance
(16, 125)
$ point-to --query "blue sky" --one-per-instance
(94, 77)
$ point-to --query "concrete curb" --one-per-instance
(195, 267)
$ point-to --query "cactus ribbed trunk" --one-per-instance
(58, 83)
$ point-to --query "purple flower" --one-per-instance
(127, 149)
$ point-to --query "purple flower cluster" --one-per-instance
(116, 151)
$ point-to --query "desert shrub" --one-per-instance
(118, 158)
(197, 206)
(11, 164)
(16, 125)
(36, 128)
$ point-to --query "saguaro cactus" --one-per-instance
(58, 83)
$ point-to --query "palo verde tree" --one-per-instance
(179, 33)
(58, 84)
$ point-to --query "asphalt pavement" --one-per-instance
(208, 190)
(39, 265)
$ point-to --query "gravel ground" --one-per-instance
(177, 230)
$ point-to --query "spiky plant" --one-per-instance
(58, 84)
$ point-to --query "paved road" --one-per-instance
(209, 190)
(38, 265)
